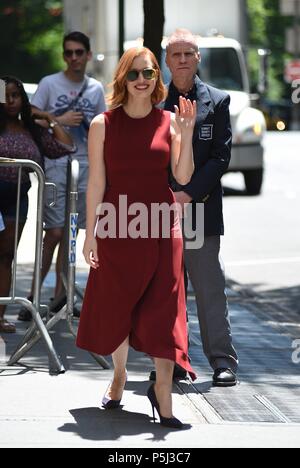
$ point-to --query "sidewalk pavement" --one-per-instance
(39, 410)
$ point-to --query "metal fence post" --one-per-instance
(39, 330)
(55, 364)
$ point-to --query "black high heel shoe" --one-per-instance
(108, 403)
(167, 422)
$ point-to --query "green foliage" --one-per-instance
(31, 37)
(267, 30)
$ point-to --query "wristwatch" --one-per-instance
(53, 124)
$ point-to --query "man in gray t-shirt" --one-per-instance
(74, 100)
(58, 95)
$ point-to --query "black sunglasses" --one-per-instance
(148, 74)
(78, 52)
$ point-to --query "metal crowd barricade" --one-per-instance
(69, 269)
(55, 364)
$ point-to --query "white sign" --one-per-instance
(288, 7)
(2, 92)
(73, 237)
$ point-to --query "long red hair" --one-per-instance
(119, 95)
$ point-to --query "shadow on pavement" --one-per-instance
(286, 299)
(99, 425)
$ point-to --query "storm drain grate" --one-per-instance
(242, 408)
(288, 403)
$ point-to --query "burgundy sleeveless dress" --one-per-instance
(138, 290)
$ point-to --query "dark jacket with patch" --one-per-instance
(212, 150)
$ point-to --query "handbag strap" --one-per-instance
(80, 94)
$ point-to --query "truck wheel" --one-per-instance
(254, 180)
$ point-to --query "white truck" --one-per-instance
(223, 60)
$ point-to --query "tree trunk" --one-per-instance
(121, 27)
(154, 26)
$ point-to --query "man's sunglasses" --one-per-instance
(78, 52)
(148, 74)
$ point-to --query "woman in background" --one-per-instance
(21, 138)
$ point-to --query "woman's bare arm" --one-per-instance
(96, 187)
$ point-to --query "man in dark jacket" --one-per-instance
(212, 153)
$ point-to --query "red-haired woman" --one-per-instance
(135, 293)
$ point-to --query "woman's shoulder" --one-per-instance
(99, 120)
(98, 127)
(107, 115)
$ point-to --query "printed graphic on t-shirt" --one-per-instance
(84, 105)
(64, 103)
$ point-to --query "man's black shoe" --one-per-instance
(57, 304)
(24, 315)
(179, 374)
(56, 307)
(224, 378)
(76, 312)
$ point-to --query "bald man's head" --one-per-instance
(183, 58)
(183, 36)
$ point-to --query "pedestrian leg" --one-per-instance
(208, 280)
(163, 386)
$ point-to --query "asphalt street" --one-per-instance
(261, 248)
